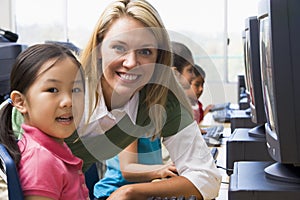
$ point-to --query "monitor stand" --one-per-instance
(283, 172)
(241, 146)
(258, 131)
(249, 182)
(240, 119)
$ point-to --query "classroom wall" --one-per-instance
(218, 92)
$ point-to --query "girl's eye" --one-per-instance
(52, 90)
(145, 51)
(76, 90)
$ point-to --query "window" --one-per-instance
(237, 11)
(201, 24)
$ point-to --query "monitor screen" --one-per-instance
(8, 53)
(253, 75)
(279, 55)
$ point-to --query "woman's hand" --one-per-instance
(167, 171)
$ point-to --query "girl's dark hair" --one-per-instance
(199, 71)
(23, 74)
(182, 56)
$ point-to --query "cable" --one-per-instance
(218, 166)
(231, 170)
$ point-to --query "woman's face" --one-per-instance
(128, 53)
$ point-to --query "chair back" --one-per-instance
(10, 175)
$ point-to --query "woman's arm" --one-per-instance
(175, 186)
(135, 172)
(194, 161)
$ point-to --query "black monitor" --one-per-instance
(8, 54)
(245, 59)
(280, 69)
(253, 76)
(243, 96)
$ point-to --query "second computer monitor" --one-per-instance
(253, 75)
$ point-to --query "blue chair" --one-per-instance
(10, 175)
(91, 178)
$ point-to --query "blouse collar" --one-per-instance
(130, 108)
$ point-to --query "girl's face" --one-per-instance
(128, 53)
(197, 85)
(48, 102)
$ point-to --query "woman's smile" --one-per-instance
(128, 77)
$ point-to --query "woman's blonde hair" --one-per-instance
(163, 77)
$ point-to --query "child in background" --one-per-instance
(45, 81)
(197, 87)
(183, 62)
(190, 77)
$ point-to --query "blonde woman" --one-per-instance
(133, 93)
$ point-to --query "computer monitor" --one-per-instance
(8, 53)
(243, 96)
(280, 69)
(245, 59)
(253, 76)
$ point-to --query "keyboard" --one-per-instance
(220, 106)
(213, 135)
(222, 115)
(173, 198)
(214, 152)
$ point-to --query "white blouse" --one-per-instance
(187, 148)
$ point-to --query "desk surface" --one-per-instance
(249, 182)
(208, 120)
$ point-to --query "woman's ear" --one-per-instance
(18, 100)
(99, 51)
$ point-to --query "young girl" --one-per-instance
(44, 80)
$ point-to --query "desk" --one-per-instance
(221, 159)
(248, 182)
(208, 120)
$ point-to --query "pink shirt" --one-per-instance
(48, 168)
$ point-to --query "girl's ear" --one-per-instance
(18, 100)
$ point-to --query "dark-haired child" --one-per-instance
(44, 82)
